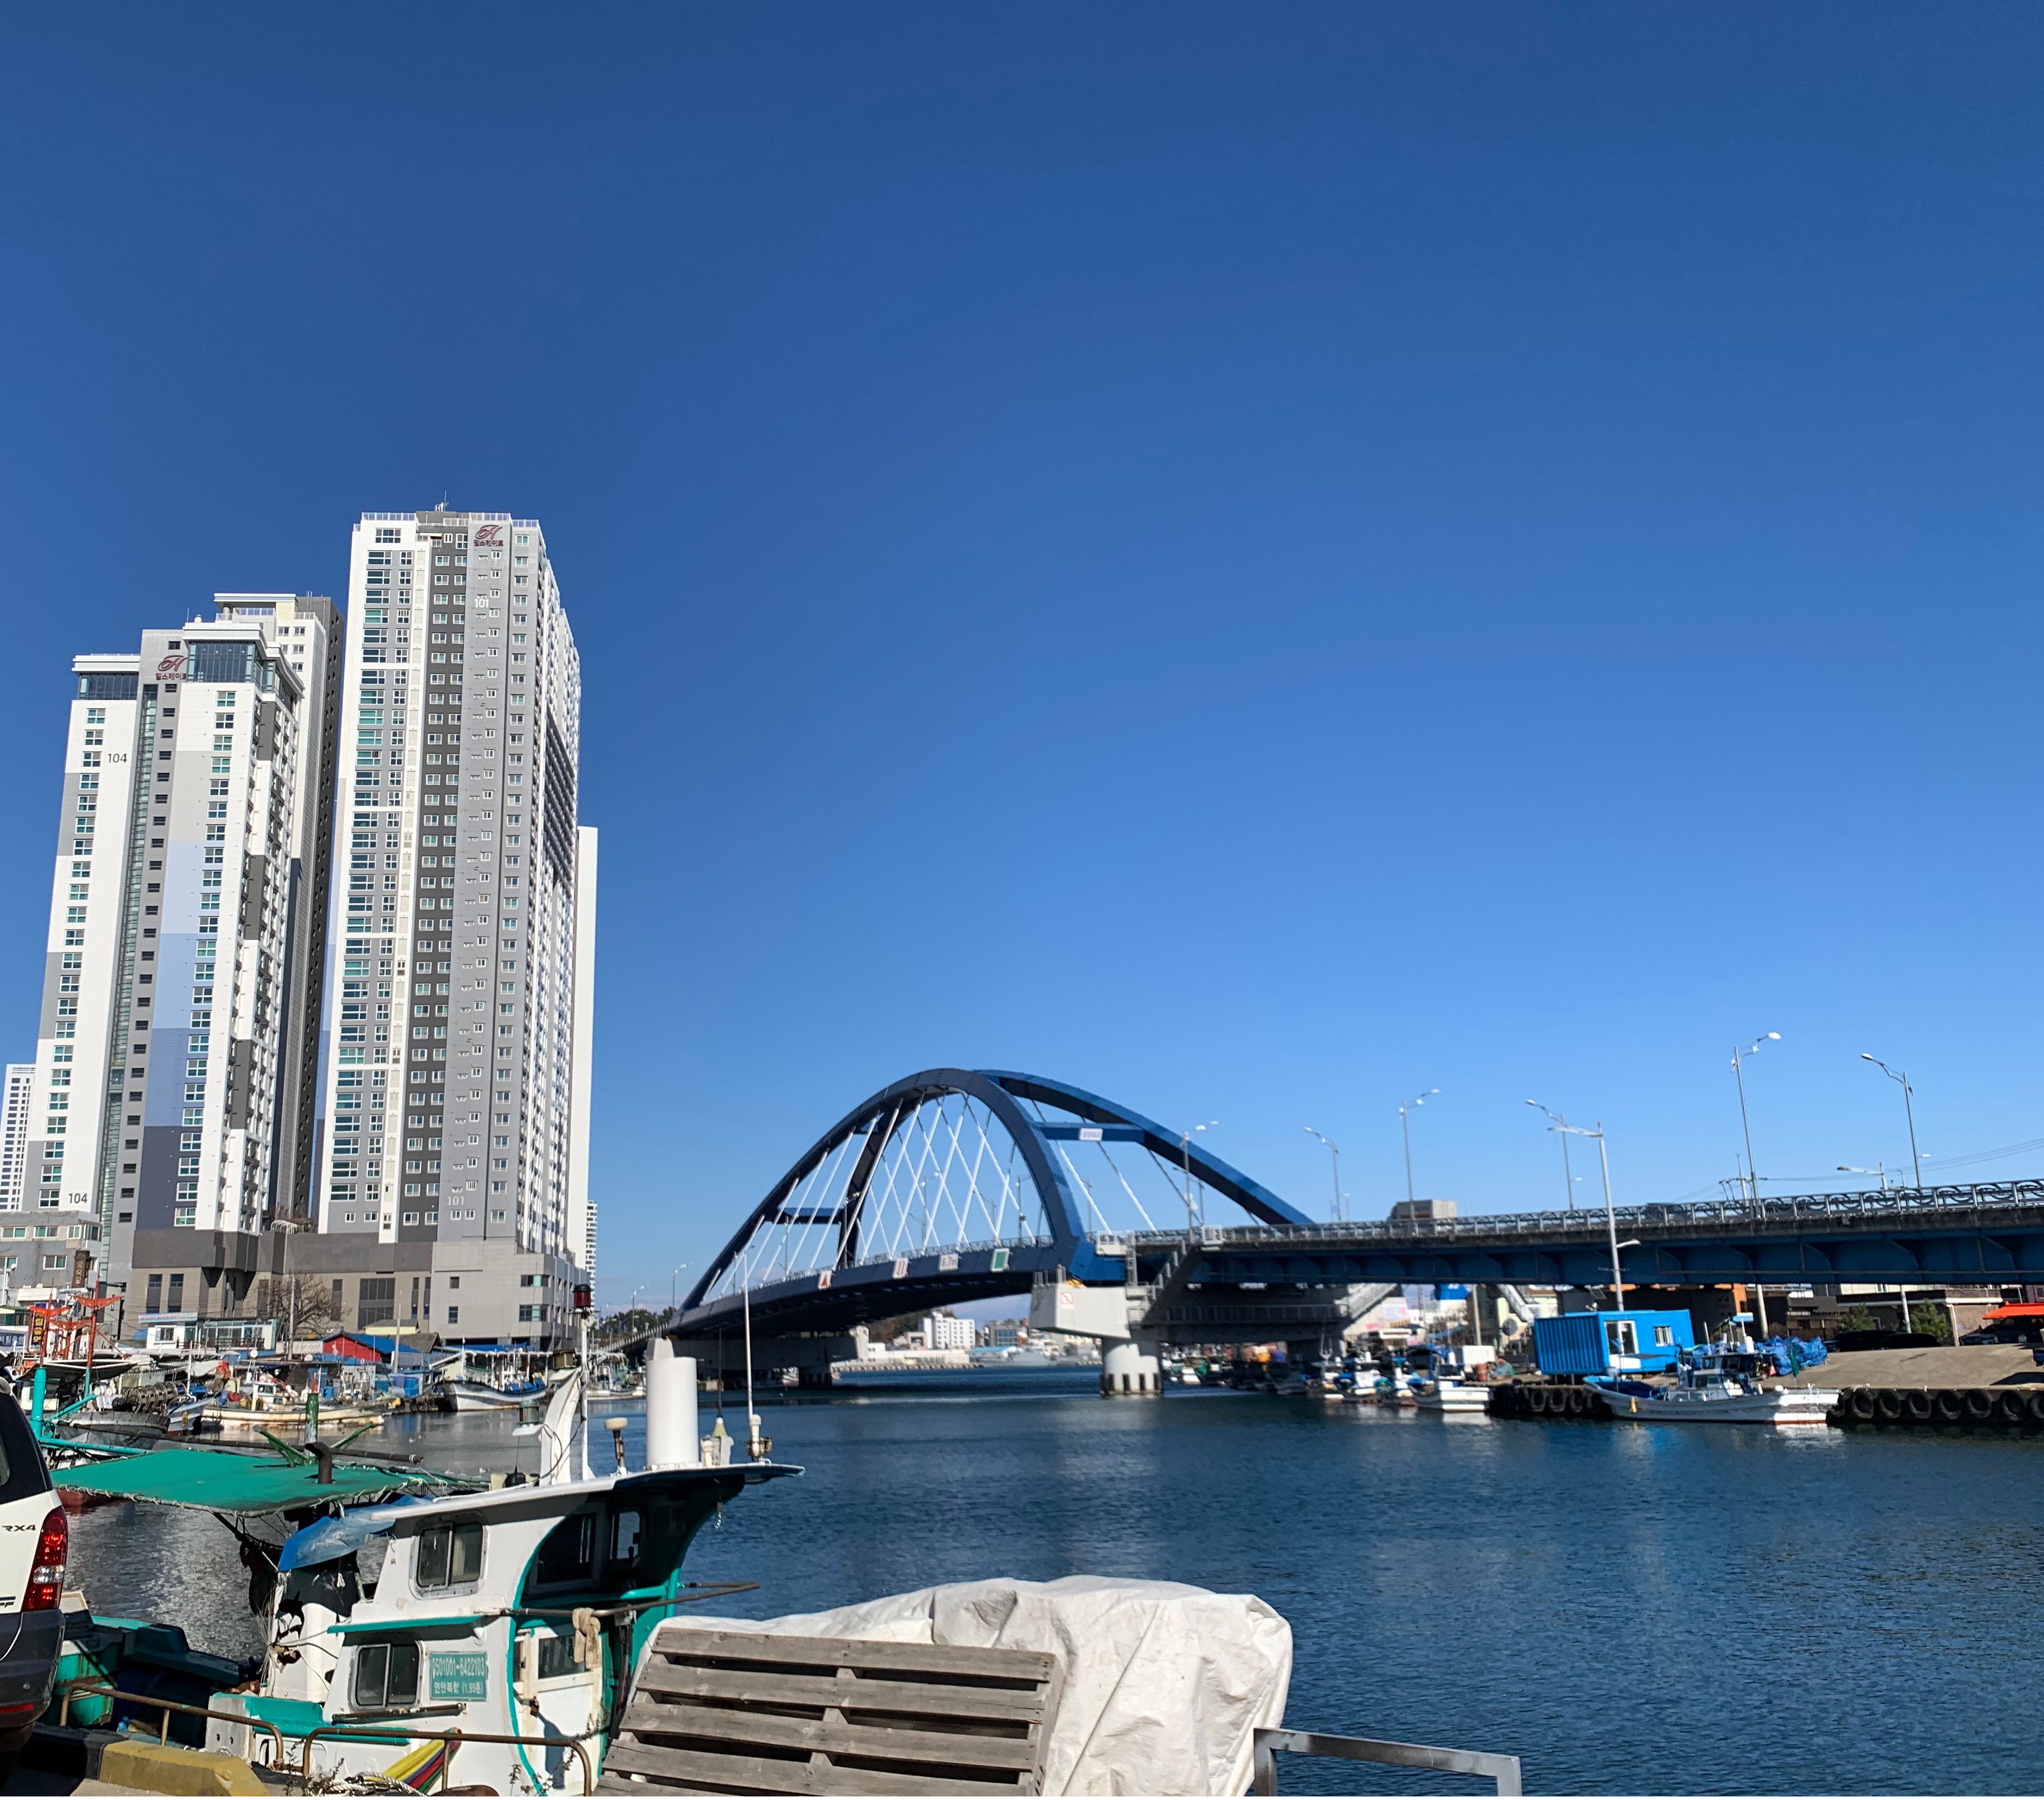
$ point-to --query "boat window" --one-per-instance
(569, 1553)
(386, 1675)
(449, 1556)
(624, 1535)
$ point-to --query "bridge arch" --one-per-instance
(949, 1184)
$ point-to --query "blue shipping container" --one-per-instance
(1581, 1343)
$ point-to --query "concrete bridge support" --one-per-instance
(1133, 1368)
(810, 1357)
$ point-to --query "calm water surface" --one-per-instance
(1630, 1609)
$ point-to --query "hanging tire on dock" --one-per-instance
(1949, 1405)
(1859, 1404)
(1917, 1407)
(1537, 1400)
(2035, 1407)
(1888, 1405)
(2011, 1408)
(1979, 1404)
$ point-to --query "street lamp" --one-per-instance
(1568, 1180)
(1186, 1154)
(1908, 1107)
(1853, 1168)
(1738, 1074)
(1334, 1149)
(1405, 1122)
(1610, 1212)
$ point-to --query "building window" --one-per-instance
(454, 1315)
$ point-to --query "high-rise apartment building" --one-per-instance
(14, 1097)
(183, 986)
(456, 1105)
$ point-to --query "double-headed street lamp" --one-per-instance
(1853, 1168)
(1334, 1149)
(1185, 1155)
(1610, 1212)
(1908, 1107)
(1568, 1176)
(1405, 1109)
(1738, 1074)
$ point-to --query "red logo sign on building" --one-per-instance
(170, 668)
(489, 534)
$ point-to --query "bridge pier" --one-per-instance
(1134, 1367)
(723, 1360)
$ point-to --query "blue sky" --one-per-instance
(1255, 560)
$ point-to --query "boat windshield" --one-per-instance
(623, 1542)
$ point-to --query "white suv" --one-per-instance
(34, 1538)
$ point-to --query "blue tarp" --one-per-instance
(328, 1540)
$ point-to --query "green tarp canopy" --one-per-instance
(220, 1480)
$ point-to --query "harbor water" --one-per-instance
(1630, 1609)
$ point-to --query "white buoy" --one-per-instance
(671, 1442)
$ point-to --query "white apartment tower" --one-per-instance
(14, 1097)
(456, 1108)
(182, 994)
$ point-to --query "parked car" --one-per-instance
(34, 1538)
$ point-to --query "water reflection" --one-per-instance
(1649, 1609)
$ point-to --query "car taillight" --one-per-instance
(46, 1579)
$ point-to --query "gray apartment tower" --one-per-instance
(457, 1088)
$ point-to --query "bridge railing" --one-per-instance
(1900, 1206)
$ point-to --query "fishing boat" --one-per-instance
(1715, 1383)
(1445, 1394)
(405, 1609)
(480, 1396)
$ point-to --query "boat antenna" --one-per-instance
(751, 1417)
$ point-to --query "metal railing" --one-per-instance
(454, 1740)
(1502, 1771)
(1942, 1206)
(168, 1707)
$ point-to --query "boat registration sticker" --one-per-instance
(460, 1675)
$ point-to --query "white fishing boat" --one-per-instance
(1449, 1396)
(480, 1396)
(1717, 1383)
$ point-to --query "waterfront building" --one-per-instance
(942, 1332)
(181, 987)
(455, 1160)
(14, 1133)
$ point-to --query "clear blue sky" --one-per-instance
(1257, 560)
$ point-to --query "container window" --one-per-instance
(1621, 1337)
(1664, 1335)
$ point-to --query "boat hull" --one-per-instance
(1776, 1406)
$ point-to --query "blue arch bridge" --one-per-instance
(955, 1185)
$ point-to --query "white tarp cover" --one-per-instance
(1164, 1684)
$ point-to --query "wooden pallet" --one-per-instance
(744, 1712)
